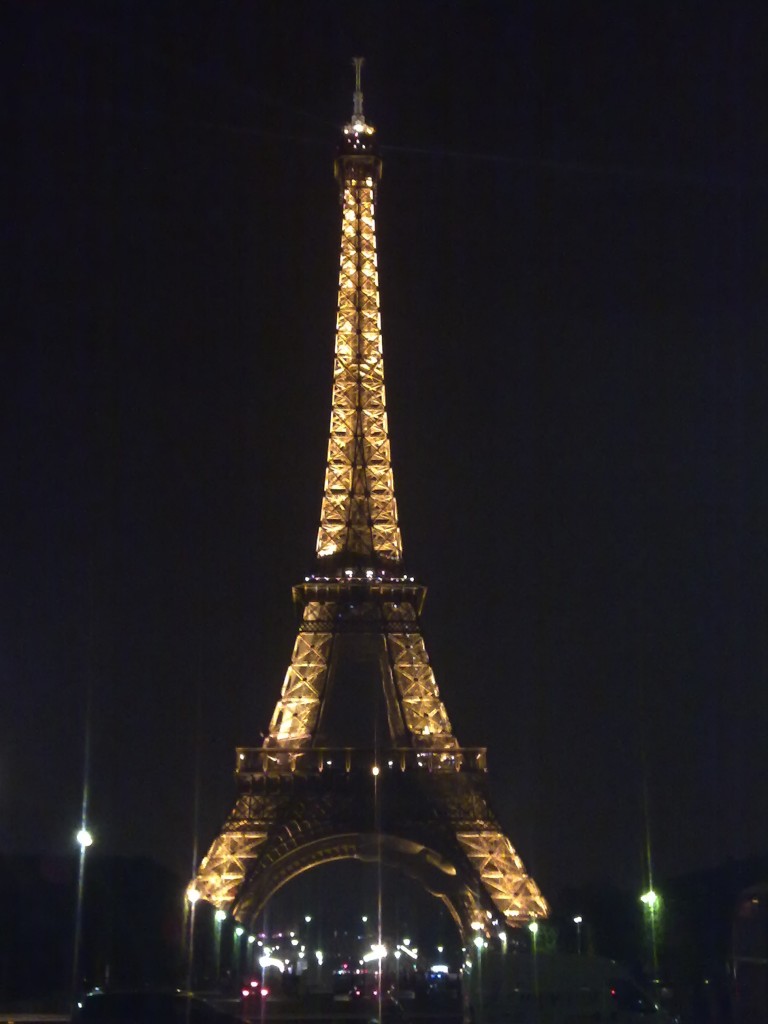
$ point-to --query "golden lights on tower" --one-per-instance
(358, 517)
(359, 587)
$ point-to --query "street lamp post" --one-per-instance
(650, 901)
(84, 839)
(534, 930)
(577, 921)
(218, 922)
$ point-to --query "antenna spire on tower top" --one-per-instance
(357, 109)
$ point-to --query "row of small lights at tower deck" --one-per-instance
(376, 770)
(369, 574)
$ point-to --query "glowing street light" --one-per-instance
(192, 895)
(577, 921)
(84, 838)
(652, 902)
(220, 915)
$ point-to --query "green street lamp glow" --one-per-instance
(533, 927)
(650, 899)
(221, 915)
(193, 895)
(239, 931)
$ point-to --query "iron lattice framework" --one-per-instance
(359, 513)
(299, 803)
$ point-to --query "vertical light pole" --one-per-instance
(239, 932)
(577, 921)
(533, 927)
(84, 839)
(479, 1007)
(192, 899)
(650, 901)
(218, 918)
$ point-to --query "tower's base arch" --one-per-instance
(437, 876)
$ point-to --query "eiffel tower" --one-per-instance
(414, 799)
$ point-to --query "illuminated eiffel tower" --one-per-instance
(415, 800)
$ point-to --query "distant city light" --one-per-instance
(650, 898)
(270, 961)
(533, 927)
(239, 931)
(192, 895)
(577, 920)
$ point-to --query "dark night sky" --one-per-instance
(571, 228)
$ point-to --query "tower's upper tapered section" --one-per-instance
(358, 520)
